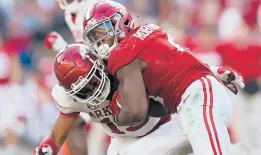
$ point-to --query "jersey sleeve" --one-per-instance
(122, 56)
(65, 103)
(130, 48)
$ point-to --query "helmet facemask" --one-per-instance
(92, 89)
(104, 36)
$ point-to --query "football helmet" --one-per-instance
(105, 24)
(81, 74)
(72, 5)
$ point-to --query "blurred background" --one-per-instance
(219, 32)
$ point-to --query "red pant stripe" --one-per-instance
(211, 116)
(205, 116)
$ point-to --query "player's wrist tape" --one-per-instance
(51, 144)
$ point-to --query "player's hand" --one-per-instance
(54, 41)
(115, 104)
(43, 150)
(47, 147)
(231, 78)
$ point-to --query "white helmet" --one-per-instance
(72, 5)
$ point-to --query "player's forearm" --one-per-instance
(135, 106)
(58, 137)
(126, 118)
(61, 129)
(133, 110)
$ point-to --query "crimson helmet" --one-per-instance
(71, 5)
(82, 74)
(106, 20)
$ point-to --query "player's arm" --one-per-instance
(135, 107)
(60, 130)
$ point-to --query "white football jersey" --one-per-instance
(100, 114)
(74, 21)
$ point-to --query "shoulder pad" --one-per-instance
(64, 102)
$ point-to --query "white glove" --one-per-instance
(54, 41)
(47, 147)
(231, 78)
(43, 150)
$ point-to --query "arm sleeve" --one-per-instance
(65, 103)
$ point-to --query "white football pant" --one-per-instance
(204, 112)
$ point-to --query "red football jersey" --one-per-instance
(170, 68)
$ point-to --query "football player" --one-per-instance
(85, 87)
(145, 60)
(73, 14)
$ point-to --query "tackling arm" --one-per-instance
(61, 129)
(135, 107)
